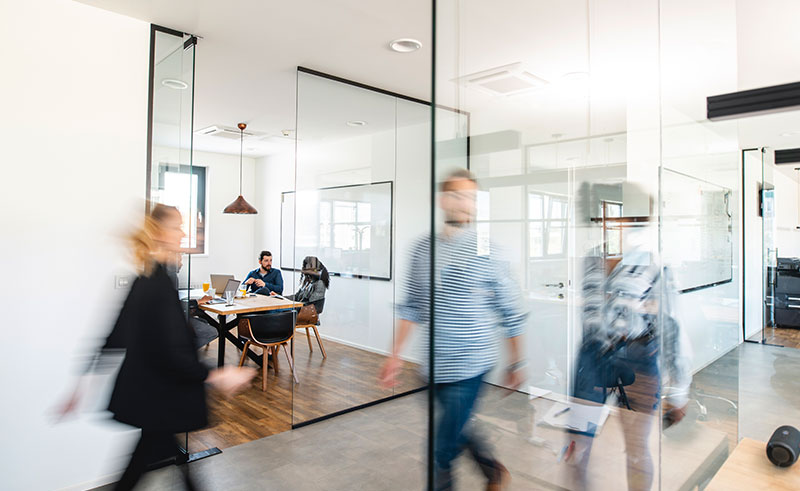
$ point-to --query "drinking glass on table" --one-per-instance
(242, 292)
(206, 286)
(229, 296)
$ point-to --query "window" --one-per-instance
(610, 212)
(184, 187)
(345, 225)
(547, 225)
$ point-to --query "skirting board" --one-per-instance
(369, 348)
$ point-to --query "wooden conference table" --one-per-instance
(249, 305)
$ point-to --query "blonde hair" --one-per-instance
(143, 240)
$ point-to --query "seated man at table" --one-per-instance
(265, 279)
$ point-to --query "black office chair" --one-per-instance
(268, 331)
(319, 305)
(619, 376)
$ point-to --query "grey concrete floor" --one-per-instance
(383, 447)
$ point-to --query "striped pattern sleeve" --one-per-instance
(508, 300)
(414, 289)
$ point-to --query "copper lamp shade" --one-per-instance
(240, 206)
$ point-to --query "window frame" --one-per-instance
(199, 201)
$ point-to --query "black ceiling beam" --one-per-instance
(787, 156)
(749, 102)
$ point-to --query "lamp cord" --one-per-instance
(241, 146)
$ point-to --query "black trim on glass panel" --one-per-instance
(432, 269)
(750, 102)
(360, 85)
(356, 408)
(391, 231)
(167, 30)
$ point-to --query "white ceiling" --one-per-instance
(246, 59)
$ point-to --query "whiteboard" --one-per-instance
(349, 228)
(697, 225)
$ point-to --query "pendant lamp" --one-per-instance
(240, 206)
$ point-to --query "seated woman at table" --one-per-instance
(314, 282)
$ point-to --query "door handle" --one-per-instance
(554, 285)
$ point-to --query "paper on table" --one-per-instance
(535, 392)
(580, 417)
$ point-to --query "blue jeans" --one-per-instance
(453, 433)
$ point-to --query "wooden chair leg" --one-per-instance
(291, 363)
(244, 354)
(308, 338)
(264, 367)
(275, 350)
(319, 341)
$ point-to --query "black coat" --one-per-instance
(160, 385)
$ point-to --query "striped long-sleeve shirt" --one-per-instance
(475, 300)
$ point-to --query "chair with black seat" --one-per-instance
(319, 305)
(268, 331)
(619, 376)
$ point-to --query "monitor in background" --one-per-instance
(219, 282)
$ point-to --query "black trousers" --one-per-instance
(153, 447)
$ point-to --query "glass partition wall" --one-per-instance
(172, 179)
(606, 213)
(358, 206)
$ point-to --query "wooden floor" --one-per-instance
(347, 378)
(784, 336)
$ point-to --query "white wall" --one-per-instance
(73, 133)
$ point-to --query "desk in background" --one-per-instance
(251, 304)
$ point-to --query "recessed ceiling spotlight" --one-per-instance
(790, 133)
(286, 132)
(356, 123)
(174, 83)
(405, 45)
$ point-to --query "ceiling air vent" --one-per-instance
(222, 132)
(506, 80)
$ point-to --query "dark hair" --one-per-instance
(457, 175)
(264, 253)
(313, 269)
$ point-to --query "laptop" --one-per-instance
(232, 286)
(218, 283)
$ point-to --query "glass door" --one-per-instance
(171, 178)
(761, 251)
(769, 248)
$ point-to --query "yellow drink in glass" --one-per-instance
(242, 292)
(206, 286)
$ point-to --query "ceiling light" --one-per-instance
(174, 83)
(405, 45)
(356, 123)
(790, 133)
(240, 206)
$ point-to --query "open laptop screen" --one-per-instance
(232, 285)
